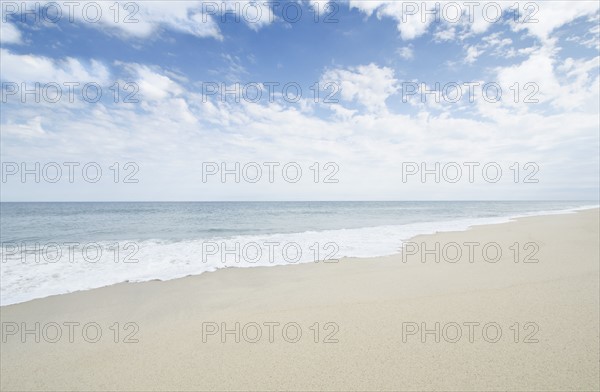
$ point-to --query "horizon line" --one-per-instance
(287, 201)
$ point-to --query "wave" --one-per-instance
(30, 272)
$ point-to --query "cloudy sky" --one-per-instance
(345, 91)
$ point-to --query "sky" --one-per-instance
(299, 100)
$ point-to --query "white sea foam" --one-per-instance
(74, 269)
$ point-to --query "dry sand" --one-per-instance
(368, 303)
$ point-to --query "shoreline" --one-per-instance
(356, 319)
(501, 220)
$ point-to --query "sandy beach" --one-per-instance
(512, 306)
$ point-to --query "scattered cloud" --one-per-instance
(406, 52)
(173, 129)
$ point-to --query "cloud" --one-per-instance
(406, 52)
(255, 13)
(171, 134)
(413, 19)
(369, 85)
(172, 130)
(147, 19)
(31, 68)
(591, 38)
(538, 68)
(29, 129)
(494, 45)
(153, 86)
(445, 34)
(235, 70)
(579, 80)
(9, 34)
(472, 54)
(198, 18)
(546, 17)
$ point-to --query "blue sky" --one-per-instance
(368, 55)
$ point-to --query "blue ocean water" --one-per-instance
(55, 248)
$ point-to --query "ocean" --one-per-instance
(57, 248)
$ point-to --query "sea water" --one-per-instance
(56, 248)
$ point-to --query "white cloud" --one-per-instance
(591, 39)
(447, 34)
(255, 13)
(547, 16)
(147, 19)
(413, 20)
(406, 52)
(151, 16)
(368, 7)
(579, 80)
(472, 54)
(176, 133)
(172, 131)
(153, 86)
(198, 18)
(368, 85)
(31, 68)
(29, 129)
(538, 69)
(235, 70)
(496, 40)
(9, 34)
